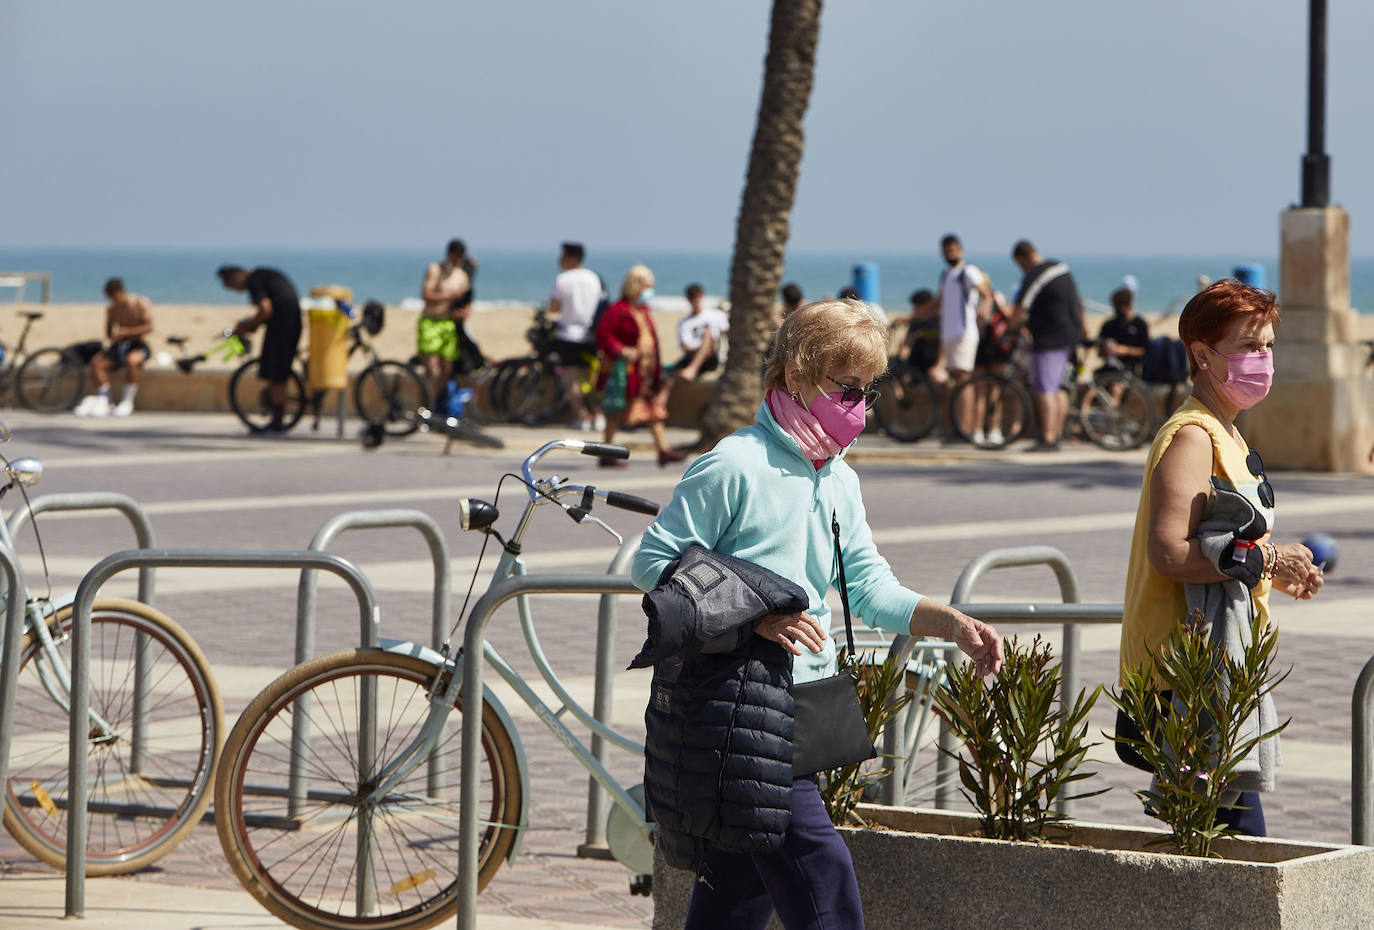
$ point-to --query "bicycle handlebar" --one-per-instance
(631, 502)
(606, 450)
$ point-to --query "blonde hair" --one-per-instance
(827, 334)
(636, 280)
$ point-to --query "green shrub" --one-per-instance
(1023, 746)
(1195, 746)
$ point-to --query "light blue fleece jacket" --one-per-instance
(756, 496)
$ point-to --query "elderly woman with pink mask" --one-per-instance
(1228, 330)
(772, 494)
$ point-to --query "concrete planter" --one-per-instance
(929, 869)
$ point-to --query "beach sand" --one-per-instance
(499, 331)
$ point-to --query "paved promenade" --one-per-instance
(932, 509)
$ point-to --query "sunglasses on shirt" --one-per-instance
(1256, 466)
(852, 395)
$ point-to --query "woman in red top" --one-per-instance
(632, 375)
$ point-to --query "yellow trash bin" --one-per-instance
(327, 369)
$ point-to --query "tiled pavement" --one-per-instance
(939, 508)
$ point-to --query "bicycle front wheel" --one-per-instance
(999, 410)
(390, 393)
(150, 780)
(906, 407)
(1117, 411)
(537, 396)
(51, 380)
(301, 858)
(250, 399)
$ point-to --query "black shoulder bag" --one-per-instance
(829, 729)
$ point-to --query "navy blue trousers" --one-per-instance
(810, 881)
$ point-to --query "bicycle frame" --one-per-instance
(448, 684)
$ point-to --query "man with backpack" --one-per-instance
(1050, 308)
(965, 302)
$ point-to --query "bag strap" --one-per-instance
(844, 588)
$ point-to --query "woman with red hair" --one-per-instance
(1228, 330)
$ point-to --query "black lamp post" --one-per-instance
(1316, 164)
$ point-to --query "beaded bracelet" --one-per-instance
(1271, 563)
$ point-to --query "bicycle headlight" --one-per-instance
(25, 471)
(474, 514)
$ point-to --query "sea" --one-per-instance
(523, 277)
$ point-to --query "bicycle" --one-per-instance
(1112, 408)
(530, 390)
(908, 408)
(384, 392)
(51, 379)
(389, 786)
(156, 723)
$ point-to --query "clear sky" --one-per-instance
(1167, 127)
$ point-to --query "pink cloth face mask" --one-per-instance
(1249, 375)
(842, 424)
(799, 423)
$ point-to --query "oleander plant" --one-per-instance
(1022, 746)
(1195, 743)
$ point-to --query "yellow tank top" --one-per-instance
(1154, 604)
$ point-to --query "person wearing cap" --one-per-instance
(277, 307)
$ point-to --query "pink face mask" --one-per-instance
(1249, 376)
(842, 424)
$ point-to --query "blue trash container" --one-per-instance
(866, 282)
(1250, 273)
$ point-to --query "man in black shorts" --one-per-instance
(128, 321)
(275, 303)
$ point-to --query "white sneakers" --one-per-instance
(95, 405)
(98, 405)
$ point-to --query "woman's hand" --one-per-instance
(793, 631)
(1294, 573)
(630, 354)
(978, 640)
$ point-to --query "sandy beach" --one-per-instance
(500, 330)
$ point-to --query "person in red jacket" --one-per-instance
(631, 378)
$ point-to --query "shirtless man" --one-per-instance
(128, 319)
(437, 331)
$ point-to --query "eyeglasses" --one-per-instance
(852, 395)
(1256, 466)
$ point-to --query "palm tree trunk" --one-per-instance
(765, 213)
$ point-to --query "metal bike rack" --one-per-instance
(374, 519)
(305, 624)
(9, 657)
(143, 535)
(95, 500)
(1362, 758)
(607, 623)
(1012, 557)
(473, 636)
(110, 566)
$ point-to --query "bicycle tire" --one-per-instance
(135, 817)
(51, 380)
(907, 408)
(1116, 423)
(390, 393)
(500, 391)
(248, 397)
(537, 396)
(1005, 417)
(302, 866)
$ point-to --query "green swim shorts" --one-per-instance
(437, 337)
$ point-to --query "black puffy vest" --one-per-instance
(718, 752)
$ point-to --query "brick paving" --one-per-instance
(189, 466)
